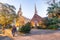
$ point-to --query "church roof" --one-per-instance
(36, 16)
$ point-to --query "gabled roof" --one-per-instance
(36, 17)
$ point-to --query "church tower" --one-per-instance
(35, 9)
(20, 21)
(20, 11)
(36, 20)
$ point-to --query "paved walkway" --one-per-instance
(40, 35)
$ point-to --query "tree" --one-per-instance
(7, 14)
(54, 9)
(25, 28)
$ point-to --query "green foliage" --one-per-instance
(0, 26)
(38, 27)
(7, 14)
(52, 23)
(54, 8)
(8, 26)
(58, 21)
(26, 28)
(52, 27)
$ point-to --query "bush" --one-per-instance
(52, 27)
(25, 29)
(0, 26)
(8, 26)
(39, 27)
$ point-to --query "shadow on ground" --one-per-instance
(41, 32)
(5, 38)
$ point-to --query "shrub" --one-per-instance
(8, 26)
(0, 26)
(25, 29)
(39, 27)
(52, 27)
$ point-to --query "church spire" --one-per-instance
(54, 1)
(20, 7)
(35, 9)
(20, 11)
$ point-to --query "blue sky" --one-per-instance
(28, 6)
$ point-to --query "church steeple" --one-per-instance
(35, 9)
(54, 1)
(20, 11)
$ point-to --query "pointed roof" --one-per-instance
(36, 17)
(53, 1)
(35, 9)
(20, 11)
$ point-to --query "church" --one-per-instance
(35, 21)
(21, 20)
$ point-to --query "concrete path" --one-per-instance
(40, 35)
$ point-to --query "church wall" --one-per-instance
(41, 24)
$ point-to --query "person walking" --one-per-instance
(14, 30)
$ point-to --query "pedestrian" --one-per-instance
(14, 30)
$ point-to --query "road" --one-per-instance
(40, 35)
